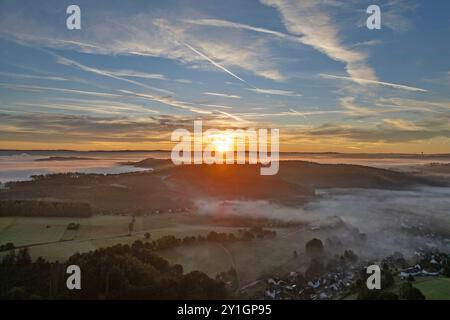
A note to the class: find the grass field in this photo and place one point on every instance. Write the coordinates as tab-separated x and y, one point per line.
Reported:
251	260
48	237
435	288
432	288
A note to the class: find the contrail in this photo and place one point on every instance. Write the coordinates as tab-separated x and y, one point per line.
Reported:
366	81
215	63
232	116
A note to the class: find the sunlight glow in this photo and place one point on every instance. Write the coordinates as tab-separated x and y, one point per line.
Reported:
223	143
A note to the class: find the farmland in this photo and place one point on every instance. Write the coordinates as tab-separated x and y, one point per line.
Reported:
48	238
434	289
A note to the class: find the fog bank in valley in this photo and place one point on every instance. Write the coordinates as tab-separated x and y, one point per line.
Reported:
401	221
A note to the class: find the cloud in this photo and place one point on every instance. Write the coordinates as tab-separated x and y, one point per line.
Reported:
167	100
69	62
401	124
312	25
31	76
94	108
214	63
232	116
146	34
388	130
136	74
412	104
22	87
380	107
393	14
80	129
87	129
373	82
229	24
223	95
185	81
144	75
353	109
312	20
276	92
289	113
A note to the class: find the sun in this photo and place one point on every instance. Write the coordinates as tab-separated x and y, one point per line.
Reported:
223	143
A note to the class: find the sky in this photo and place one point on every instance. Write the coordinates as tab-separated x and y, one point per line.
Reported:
137	70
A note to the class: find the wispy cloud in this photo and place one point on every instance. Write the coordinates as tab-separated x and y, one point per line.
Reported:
136	74
290	113
232	116
223	95
388	130
69	62
402	124
152	36
353	109
320	31
214	63
373	82
415	104
167	100
229	24
276	92
312	20
144	75
31	76
22	87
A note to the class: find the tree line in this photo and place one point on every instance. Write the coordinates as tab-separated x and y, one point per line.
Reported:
117	272
40	208
170	241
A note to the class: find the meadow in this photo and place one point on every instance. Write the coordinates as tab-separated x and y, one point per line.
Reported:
48	238
434	288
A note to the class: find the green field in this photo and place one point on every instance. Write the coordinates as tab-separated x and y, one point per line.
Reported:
48	237
434	289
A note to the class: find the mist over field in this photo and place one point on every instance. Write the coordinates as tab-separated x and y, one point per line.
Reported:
393	220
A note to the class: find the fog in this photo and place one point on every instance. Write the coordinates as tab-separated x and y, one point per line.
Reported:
23	166
403	221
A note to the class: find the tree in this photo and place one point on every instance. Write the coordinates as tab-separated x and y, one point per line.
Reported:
117	272
387	295
314	247
315	269
408	292
366	294
197	285
23	257
130	227
446	271
16	293
350	256
387	278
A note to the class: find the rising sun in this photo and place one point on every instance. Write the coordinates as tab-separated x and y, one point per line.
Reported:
223	143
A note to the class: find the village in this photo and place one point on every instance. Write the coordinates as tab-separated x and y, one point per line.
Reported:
342	282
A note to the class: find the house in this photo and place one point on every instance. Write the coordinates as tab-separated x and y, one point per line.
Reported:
271	293
430	274
323	296
275	283
314	284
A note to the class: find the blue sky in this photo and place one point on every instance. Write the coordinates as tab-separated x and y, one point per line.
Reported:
139	69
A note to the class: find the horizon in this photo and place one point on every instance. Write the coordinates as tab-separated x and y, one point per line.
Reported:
281	152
